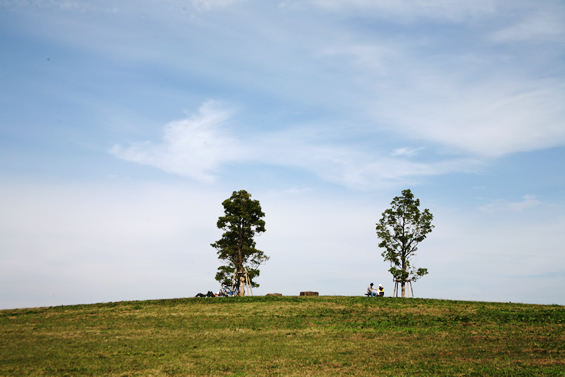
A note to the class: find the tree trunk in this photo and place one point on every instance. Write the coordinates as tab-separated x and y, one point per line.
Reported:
242	285
403	279
240	266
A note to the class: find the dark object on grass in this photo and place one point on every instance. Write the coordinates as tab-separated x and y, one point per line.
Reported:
273	294
309	293
209	294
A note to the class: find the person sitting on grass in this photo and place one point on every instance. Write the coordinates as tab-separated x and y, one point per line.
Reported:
371	292
381	290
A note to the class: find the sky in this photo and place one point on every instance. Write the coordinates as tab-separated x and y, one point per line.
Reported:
125	124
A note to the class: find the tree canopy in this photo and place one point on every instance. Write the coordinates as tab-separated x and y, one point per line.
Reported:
400	230
241	222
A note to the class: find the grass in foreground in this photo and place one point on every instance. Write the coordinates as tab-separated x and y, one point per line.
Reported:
285	336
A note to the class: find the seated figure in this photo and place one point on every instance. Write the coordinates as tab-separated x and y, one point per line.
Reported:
371	292
381	291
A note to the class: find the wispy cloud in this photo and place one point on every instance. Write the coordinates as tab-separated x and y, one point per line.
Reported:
469	100
71	6
198	147
406	151
489	118
374	58
464	102
539	27
213	4
527	202
408	9
195	147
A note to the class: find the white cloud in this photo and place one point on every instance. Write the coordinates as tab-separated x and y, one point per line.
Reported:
199	146
488	118
294	190
364	171
408	9
374	58
207	5
463	100
406	151
540	27
527	202
82	5
195	147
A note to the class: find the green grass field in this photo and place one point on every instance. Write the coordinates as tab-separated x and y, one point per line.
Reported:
285	336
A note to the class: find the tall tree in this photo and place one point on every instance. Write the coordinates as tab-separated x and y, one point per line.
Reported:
400	230
242	220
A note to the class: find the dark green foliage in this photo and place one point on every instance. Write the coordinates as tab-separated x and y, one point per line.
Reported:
241	222
400	230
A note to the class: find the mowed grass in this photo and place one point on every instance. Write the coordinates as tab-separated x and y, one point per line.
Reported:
285	336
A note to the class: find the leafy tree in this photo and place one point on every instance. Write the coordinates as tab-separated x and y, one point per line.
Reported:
242	220
400	230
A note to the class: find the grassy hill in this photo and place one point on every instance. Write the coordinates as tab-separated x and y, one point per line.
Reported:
285	336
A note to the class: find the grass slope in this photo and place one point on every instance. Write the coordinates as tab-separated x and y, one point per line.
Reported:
285	336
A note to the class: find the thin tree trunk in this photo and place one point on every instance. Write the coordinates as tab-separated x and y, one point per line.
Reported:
242	285
403	282
240	264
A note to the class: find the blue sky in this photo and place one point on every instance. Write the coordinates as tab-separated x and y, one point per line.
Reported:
125	124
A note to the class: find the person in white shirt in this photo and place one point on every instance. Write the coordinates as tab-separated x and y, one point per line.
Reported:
371	292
